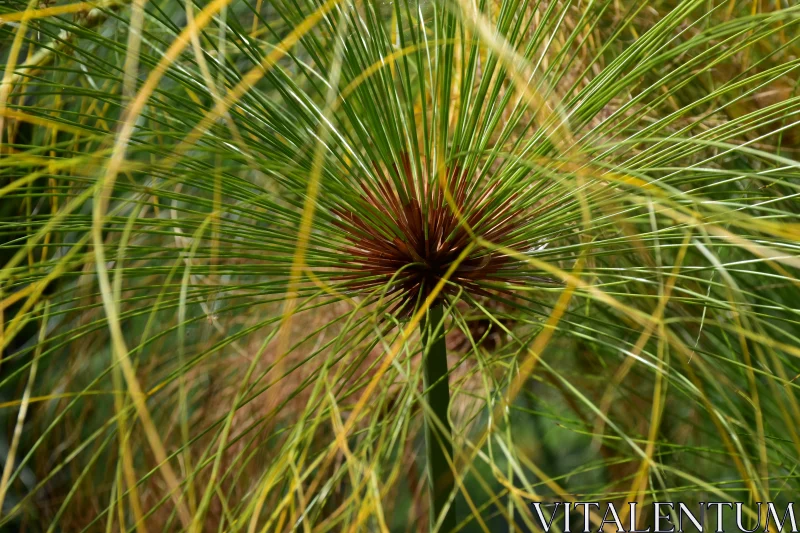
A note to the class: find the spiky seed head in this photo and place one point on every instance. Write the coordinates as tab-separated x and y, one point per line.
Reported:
405	235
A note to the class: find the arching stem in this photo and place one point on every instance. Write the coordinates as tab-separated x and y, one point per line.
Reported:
438	437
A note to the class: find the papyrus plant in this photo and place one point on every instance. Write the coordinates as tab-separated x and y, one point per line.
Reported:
413	239
237	235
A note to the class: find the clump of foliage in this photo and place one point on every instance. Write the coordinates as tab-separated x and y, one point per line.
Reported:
238	235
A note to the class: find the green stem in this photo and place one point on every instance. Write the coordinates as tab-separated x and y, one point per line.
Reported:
438	438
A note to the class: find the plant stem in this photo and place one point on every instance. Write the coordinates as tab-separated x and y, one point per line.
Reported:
438	438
